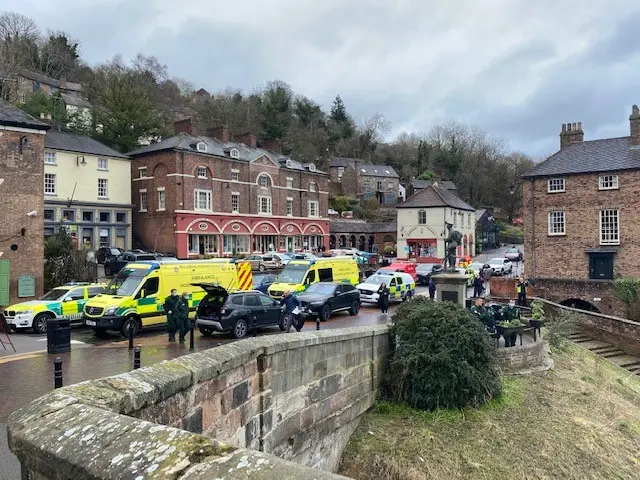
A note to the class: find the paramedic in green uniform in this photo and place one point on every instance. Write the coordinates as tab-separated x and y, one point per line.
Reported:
484	314
182	319
171	309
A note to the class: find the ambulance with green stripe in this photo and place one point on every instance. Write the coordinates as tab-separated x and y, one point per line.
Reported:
66	301
401	287
134	299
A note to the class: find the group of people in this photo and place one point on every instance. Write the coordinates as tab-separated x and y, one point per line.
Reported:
490	316
480	281
177	309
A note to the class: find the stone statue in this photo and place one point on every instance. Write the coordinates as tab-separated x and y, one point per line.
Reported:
451	243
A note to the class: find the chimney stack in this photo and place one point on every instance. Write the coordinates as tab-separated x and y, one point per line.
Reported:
634	120
221	133
186	125
571	133
248	139
273	145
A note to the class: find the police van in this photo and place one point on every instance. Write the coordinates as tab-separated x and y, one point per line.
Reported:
401	286
134	299
299	274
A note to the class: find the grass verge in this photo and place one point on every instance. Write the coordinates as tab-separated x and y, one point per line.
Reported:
579	421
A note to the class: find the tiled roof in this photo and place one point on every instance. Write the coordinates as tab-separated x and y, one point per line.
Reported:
417	183
11	116
75	100
592	156
186	142
343	161
433	196
341	226
69	142
376	170
41	78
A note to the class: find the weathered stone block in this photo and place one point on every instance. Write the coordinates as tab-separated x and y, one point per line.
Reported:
211	412
325	387
193	422
240	394
167	378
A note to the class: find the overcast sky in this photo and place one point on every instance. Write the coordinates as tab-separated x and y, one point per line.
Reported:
517	68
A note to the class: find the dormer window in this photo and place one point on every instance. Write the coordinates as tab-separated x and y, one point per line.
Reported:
289	163
312	167
234	153
201	147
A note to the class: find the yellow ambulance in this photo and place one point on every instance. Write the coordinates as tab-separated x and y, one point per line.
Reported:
299	274
134	299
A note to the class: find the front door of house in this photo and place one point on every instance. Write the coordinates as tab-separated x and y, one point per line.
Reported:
601	266
5	268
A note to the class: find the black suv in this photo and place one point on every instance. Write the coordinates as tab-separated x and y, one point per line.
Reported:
324	298
236	313
103	253
114	264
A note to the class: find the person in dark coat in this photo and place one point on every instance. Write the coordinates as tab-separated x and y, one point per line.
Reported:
478	286
291	302
171	309
521	290
432	288
383	298
182	317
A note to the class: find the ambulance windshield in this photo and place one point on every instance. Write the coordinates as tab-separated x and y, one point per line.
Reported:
125	283
293	273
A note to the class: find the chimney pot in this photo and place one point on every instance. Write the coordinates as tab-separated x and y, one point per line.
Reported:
564	128
634	124
571	133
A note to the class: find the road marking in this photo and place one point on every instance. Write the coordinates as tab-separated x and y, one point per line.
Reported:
21	356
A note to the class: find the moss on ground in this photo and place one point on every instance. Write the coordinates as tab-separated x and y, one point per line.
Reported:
579	421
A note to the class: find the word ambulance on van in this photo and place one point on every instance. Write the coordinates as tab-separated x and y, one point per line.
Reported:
134	299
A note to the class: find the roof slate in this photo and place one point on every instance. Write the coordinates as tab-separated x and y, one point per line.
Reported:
433	196
186	142
343	161
592	156
69	142
11	116
372	170
417	183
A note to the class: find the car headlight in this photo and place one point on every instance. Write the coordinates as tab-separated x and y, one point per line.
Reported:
111	310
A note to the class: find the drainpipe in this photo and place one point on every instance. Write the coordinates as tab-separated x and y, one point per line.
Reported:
533	229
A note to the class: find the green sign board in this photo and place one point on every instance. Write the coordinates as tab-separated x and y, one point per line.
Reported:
26	286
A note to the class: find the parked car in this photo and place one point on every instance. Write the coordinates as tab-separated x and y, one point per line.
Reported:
500	266
264	262
401	287
303	256
324	298
476	267
284	258
104	253
114	264
262	282
404	267
236	313
424	270
514	254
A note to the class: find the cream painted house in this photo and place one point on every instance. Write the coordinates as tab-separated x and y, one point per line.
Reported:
421	225
87	187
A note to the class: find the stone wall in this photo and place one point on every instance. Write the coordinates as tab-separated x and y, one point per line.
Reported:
623	333
262	407
525	359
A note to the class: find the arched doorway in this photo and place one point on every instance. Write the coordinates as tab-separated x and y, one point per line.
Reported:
332	242
371	242
352	241
580	304
343	241
362	243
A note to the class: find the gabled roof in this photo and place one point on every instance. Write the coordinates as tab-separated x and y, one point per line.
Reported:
343	161
75	100
69	142
592	156
433	196
376	170
11	116
186	142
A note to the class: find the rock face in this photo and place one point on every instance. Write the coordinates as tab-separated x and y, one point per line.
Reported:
281	406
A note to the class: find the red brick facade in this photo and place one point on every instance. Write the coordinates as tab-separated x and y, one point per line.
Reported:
21	192
189	230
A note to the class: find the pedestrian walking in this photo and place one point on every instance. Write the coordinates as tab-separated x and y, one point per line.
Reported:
292	310
521	290
432	288
183	324
485	274
383	298
478	287
171	309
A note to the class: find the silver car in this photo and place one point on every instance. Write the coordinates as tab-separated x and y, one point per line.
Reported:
264	262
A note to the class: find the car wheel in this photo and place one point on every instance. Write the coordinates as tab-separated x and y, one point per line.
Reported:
240	329
325	313
107	271
40	322
262	268
207	332
355	308
130	323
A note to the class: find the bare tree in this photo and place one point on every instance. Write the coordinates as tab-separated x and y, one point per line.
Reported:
18	48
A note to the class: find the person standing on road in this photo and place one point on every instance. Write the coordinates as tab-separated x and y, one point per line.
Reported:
521	290
383	298
485	274
182	317
292	309
478	287
432	288
171	309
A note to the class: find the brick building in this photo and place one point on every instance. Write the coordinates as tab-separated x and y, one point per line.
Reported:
581	214
363	235
198	195
364	180
21	193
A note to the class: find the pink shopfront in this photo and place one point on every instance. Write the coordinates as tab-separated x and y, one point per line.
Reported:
224	236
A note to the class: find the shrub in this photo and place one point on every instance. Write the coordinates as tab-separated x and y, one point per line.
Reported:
442	358
64	262
559	329
389	250
626	289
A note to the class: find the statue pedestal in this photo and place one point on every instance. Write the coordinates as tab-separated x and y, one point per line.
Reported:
451	287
